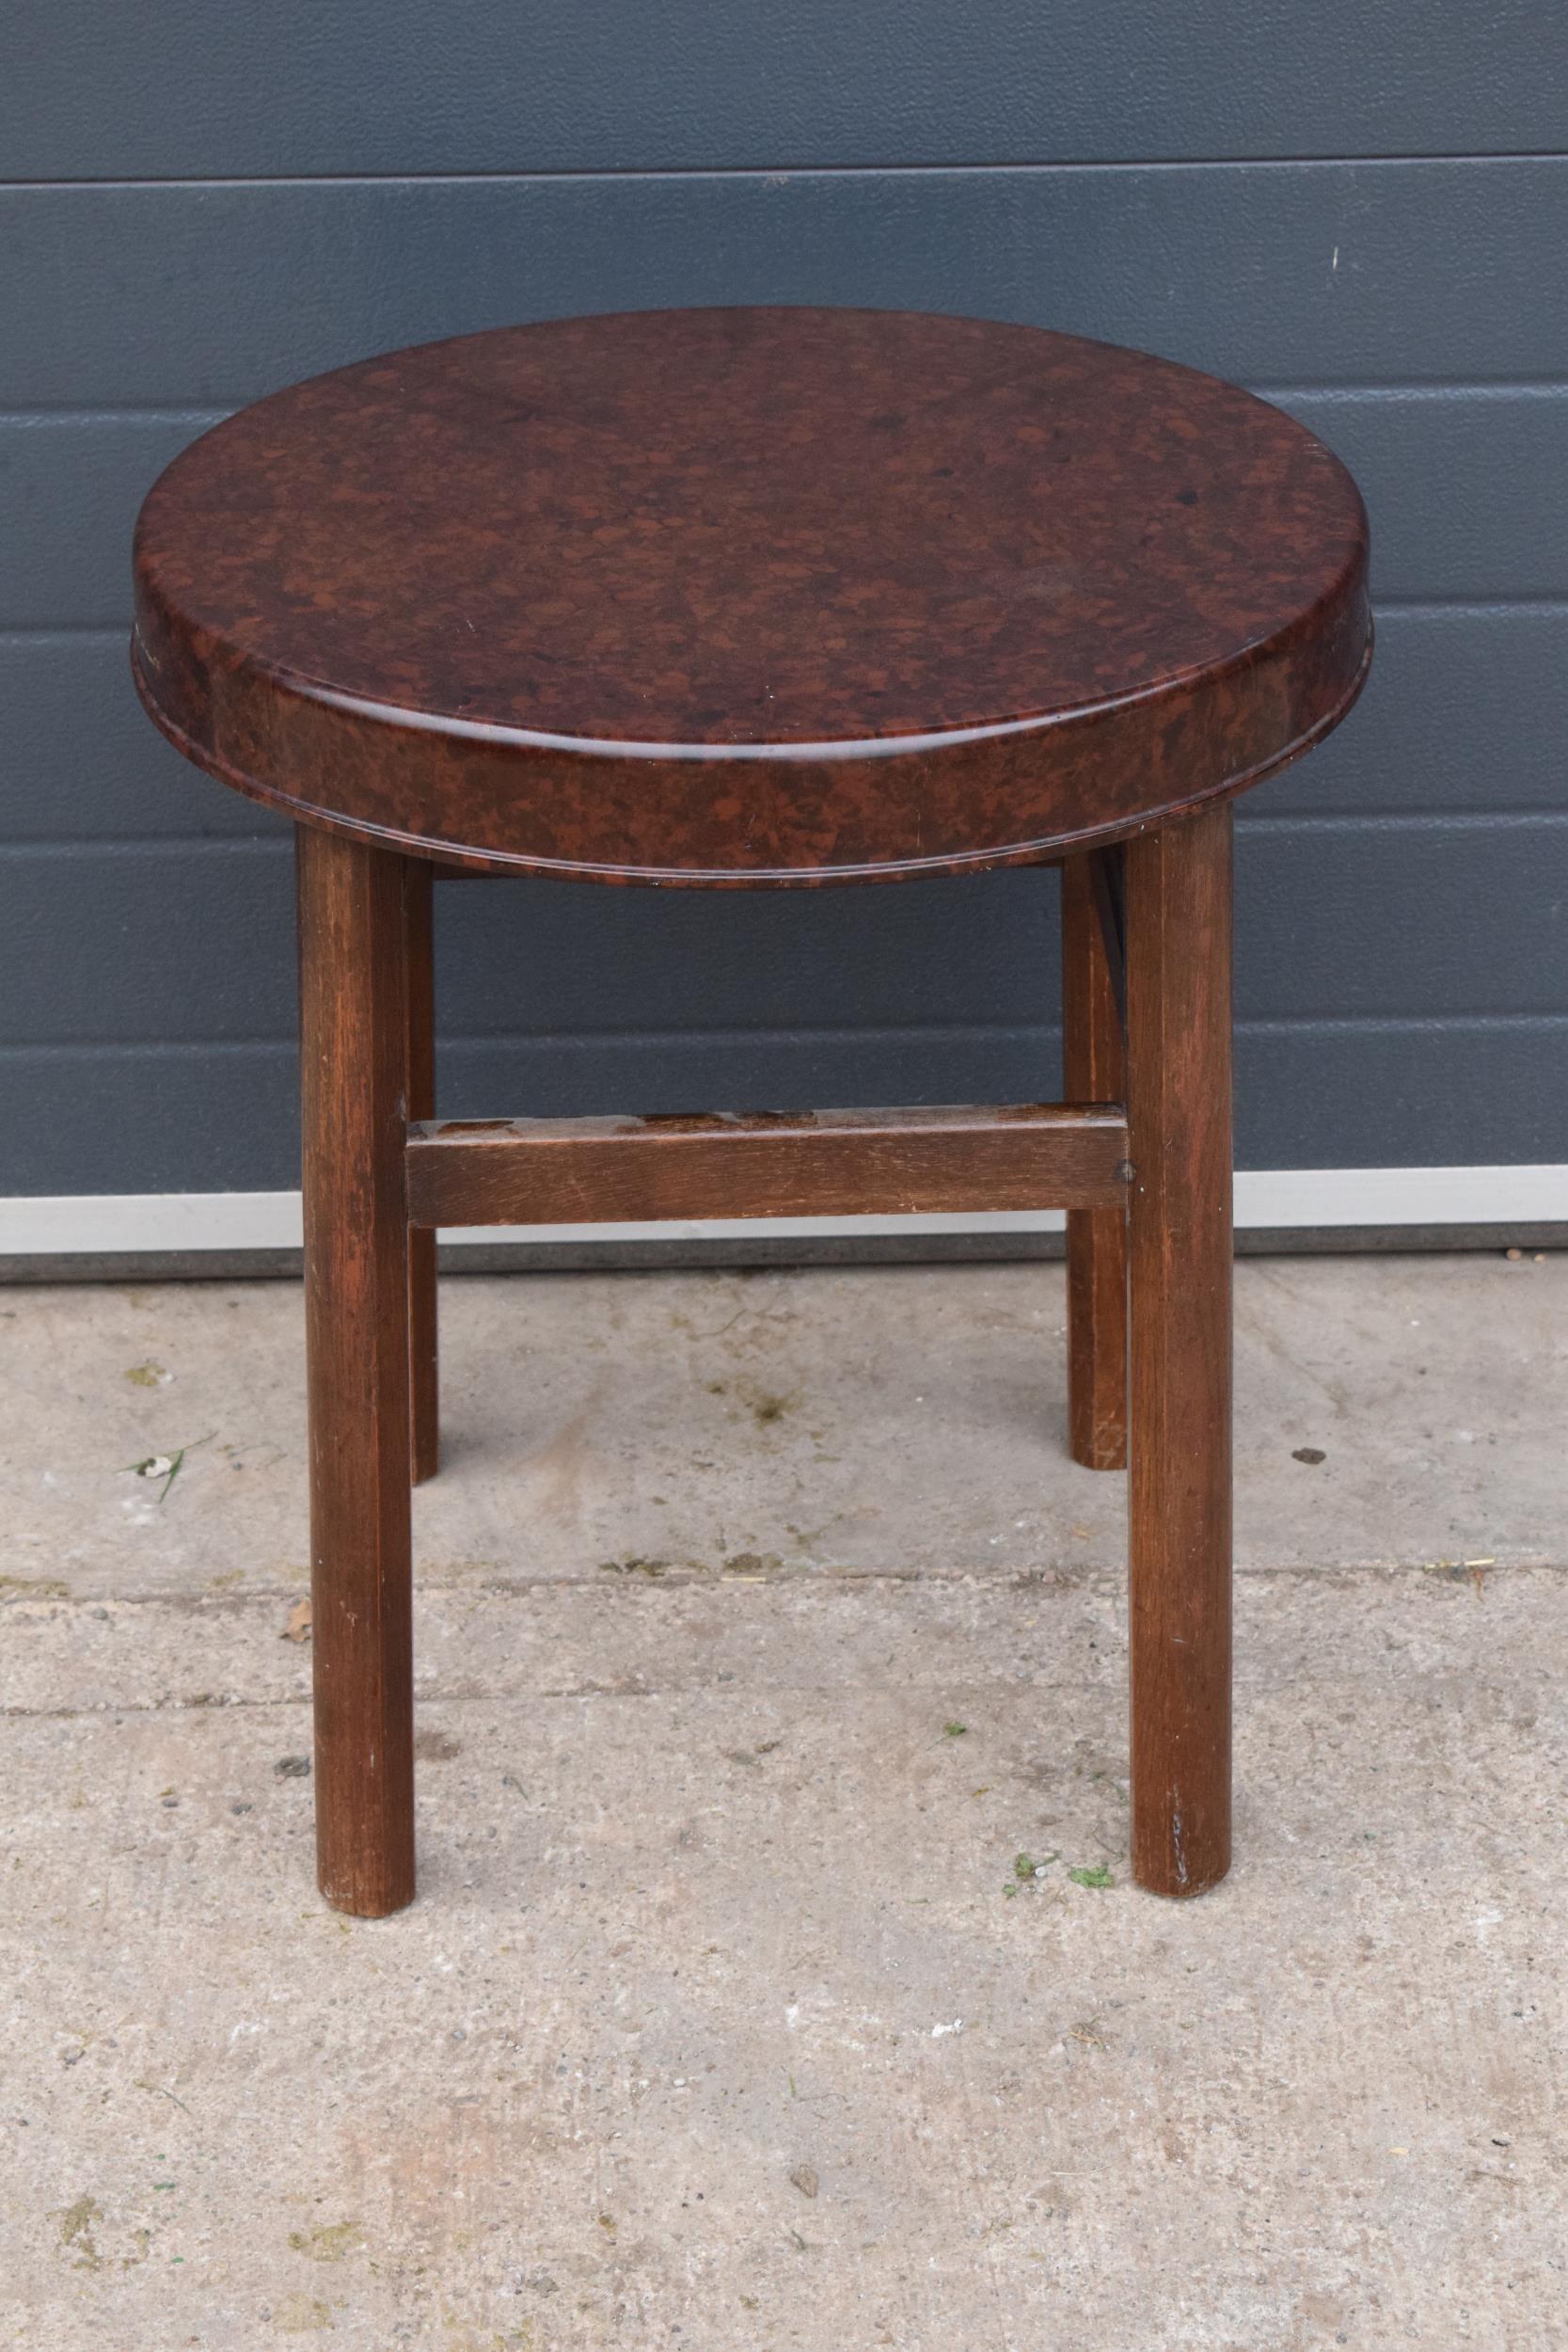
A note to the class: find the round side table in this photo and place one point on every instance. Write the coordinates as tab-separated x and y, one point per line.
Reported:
757	599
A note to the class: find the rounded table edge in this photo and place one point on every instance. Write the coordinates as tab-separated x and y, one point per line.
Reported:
476	859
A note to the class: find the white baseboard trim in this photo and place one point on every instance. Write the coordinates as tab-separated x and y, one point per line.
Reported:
1270	1200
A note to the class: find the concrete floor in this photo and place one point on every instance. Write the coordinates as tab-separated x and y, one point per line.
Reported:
763	1625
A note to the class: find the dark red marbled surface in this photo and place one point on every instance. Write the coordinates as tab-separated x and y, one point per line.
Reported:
751	595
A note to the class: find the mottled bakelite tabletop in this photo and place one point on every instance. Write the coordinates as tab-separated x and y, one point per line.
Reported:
751	595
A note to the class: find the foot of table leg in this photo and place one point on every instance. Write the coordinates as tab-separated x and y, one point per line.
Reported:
353	999
1093	1070
1179	922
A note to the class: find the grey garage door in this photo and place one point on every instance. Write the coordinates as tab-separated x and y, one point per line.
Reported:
1361	209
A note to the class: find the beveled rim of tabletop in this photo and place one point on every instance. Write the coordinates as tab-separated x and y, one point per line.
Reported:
1115	588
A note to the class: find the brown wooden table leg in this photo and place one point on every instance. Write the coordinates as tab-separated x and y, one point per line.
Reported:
353	1044
1179	1112
424	1385
1093	1070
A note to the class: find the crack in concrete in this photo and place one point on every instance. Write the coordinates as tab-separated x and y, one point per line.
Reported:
711	1583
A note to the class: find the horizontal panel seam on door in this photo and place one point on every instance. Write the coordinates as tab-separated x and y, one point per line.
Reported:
1478	157
1394	608
1524	387
593	1040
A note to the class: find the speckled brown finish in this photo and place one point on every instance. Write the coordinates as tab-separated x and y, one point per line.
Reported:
751	595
